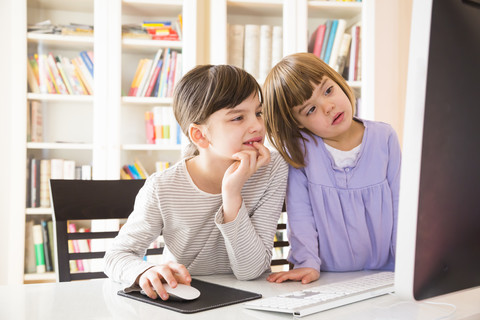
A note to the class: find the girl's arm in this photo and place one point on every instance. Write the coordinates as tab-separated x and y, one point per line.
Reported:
249	237
393	177
124	260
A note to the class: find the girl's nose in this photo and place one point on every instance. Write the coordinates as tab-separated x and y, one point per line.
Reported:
257	125
327	108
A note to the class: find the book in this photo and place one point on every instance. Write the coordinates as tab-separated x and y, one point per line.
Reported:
150	74
331	39
127	170
337	42
142	168
84	74
69	169
149	127
86	172
32	80
277	45
46	246
56	168
164	74
36	121
153	80
34	183
72	228
134	171
57	78
343	53
124	175
353	53
84	246
265	59
171	74
235	41
319	37
328	27
134	84
251	51
88	63
39	251
44	184
52	244
64	76
146	69
30	265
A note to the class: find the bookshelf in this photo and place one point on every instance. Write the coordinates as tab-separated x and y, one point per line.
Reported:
105	129
298	20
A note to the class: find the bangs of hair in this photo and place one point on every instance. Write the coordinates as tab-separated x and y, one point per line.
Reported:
228	87
298	80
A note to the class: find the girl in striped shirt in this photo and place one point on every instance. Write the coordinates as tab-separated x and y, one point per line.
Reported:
218	208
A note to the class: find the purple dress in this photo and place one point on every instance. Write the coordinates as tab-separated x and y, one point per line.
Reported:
346	219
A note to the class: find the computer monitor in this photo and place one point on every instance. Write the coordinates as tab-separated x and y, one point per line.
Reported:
438	242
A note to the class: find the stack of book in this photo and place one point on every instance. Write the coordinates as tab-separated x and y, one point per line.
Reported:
47	73
47	27
157	77
133	171
154	30
338	48
255	48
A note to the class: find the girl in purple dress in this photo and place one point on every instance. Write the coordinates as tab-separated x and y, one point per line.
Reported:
342	194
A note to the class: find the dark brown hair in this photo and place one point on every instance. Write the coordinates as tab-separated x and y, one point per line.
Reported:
208	88
290	83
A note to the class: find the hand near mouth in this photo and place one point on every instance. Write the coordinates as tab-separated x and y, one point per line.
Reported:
248	162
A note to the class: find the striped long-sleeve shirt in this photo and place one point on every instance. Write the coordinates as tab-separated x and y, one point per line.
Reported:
191	222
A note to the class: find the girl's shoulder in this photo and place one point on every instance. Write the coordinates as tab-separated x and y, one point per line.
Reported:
277	162
378	127
171	174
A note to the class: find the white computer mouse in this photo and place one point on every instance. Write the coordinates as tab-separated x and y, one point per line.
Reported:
182	292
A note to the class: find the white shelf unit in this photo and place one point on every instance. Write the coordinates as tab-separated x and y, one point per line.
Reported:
130	140
97	129
299	18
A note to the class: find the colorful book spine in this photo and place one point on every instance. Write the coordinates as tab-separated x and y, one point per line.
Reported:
39	251
87	61
331	39
46	246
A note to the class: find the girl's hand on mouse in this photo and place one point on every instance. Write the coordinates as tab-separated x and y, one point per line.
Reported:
248	162
171	272
305	275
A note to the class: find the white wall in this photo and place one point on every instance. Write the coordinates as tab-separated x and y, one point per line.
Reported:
12	219
392	32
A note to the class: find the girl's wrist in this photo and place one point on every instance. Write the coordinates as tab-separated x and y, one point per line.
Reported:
231	206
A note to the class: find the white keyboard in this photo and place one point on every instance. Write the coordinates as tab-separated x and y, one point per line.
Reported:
316	299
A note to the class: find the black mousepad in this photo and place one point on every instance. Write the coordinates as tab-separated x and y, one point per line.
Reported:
211	296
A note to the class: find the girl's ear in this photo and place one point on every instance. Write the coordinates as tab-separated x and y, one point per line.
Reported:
197	136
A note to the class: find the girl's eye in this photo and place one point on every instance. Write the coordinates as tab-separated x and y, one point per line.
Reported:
259	114
310	111
238	118
329	90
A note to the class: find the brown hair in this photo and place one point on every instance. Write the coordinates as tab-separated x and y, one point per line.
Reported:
208	88
290	83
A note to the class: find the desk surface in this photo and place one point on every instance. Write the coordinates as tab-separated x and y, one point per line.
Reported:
98	299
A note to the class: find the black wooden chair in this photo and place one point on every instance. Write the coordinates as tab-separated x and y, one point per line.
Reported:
88	200
281	243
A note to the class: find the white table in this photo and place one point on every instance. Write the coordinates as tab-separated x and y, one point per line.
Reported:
98	299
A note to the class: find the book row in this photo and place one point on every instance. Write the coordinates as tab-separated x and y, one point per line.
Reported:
39	247
39	173
157	77
47	73
47	27
161	127
338	47
137	171
255	48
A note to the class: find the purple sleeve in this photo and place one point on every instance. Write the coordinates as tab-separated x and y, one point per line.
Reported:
393	177
302	233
